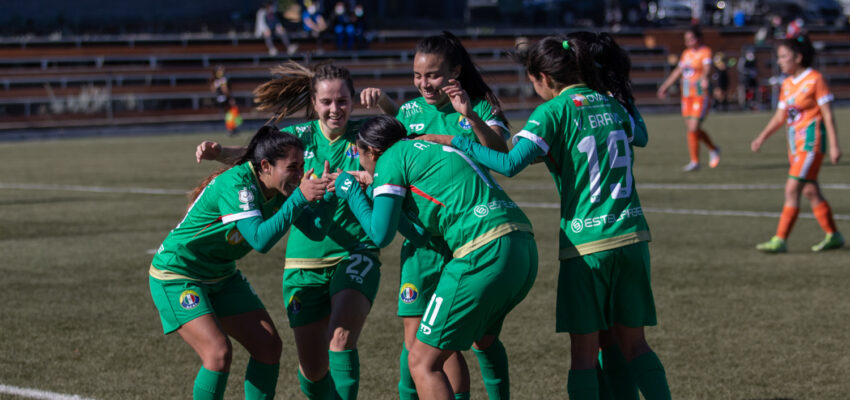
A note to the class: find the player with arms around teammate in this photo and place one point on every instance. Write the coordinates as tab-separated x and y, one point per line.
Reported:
494	257
694	68
328	284
586	140
455	100
805	105
194	281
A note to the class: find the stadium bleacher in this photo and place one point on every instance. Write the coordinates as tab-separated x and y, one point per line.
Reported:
131	79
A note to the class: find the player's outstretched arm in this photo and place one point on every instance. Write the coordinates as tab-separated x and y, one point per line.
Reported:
380	221
507	164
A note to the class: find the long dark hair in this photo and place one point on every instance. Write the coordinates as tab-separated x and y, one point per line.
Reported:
612	63
567	60
803	46
294	88
453	52
269	143
380	133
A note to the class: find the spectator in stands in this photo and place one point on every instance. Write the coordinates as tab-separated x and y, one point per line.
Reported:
361	41
748	78
343	28
225	100
268	24
314	23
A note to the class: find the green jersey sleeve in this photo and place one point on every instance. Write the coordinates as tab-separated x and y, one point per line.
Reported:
485	112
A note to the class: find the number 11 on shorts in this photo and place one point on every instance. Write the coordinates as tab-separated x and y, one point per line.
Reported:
429	317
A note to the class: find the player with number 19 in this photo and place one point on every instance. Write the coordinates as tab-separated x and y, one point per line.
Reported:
586	139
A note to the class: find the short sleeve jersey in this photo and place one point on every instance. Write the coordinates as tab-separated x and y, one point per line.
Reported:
206	243
695	64
801	98
449	193
586	138
346	234
420	117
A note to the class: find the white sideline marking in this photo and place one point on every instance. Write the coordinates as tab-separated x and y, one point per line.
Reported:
38	394
685	211
95	189
697	186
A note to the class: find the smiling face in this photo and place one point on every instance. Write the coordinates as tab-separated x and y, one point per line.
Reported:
284	175
788	62
691	40
430	74
332	102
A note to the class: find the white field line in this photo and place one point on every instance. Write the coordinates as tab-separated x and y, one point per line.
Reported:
38	394
662	186
696	186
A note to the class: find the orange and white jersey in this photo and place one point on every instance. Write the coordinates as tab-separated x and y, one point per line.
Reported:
696	65
801	97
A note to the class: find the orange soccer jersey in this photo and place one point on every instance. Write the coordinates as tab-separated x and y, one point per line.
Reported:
801	97
696	65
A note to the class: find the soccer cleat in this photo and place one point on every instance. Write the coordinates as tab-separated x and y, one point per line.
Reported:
776	244
691	166
831	241
714	157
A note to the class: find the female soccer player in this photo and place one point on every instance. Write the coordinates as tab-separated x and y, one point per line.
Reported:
694	68
455	100
586	140
194	281
805	105
494	257
329	284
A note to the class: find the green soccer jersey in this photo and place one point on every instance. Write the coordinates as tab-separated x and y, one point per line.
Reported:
346	234
587	141
420	117
451	195
206	243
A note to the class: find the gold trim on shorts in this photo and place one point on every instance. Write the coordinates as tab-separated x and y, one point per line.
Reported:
604	244
166	275
316	263
489	236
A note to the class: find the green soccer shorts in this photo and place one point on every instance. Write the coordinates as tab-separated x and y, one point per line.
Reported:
477	291
307	292
600	289
180	301
420	272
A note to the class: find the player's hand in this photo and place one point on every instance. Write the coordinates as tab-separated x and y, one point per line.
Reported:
207	150
834	154
364	178
756	144
344	184
662	93
312	189
445	140
369	97
458	97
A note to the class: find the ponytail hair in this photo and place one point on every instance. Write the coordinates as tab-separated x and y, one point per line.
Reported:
380	133
803	46
454	54
612	63
294	88
567	60
269	143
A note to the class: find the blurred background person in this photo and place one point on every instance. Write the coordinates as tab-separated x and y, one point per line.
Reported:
720	82
343	27
268	24
314	23
223	98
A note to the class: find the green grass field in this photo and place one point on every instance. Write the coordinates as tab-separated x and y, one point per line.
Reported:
77	317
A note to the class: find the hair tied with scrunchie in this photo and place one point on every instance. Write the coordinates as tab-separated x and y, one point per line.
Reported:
566	44
800	38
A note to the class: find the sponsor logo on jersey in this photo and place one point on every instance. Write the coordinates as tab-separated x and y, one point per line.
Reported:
481	211
463	123
309	154
351	151
304	129
410	109
579	100
578	224
794	114
294	305
234	237
246	197
189	299
416	127
408	293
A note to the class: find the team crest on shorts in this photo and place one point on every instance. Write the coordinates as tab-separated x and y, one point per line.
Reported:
463	123
294	305
408	293
189	299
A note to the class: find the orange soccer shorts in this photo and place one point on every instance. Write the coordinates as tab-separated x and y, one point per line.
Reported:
805	165
695	106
